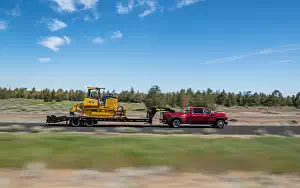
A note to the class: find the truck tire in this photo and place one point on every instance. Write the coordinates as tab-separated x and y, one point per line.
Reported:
220	124
175	123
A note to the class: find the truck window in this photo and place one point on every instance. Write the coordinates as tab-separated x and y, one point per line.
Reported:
205	111
198	110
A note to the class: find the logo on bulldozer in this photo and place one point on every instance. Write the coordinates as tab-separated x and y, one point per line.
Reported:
91	102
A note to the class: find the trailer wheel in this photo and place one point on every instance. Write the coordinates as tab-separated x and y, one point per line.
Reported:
89	122
75	122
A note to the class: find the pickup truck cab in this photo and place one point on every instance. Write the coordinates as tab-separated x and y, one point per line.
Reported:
195	115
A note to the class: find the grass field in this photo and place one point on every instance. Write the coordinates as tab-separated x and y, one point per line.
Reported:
267	154
32	105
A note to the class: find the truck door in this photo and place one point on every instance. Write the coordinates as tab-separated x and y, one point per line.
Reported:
208	118
197	116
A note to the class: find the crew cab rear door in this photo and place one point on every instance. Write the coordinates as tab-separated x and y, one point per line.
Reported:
197	116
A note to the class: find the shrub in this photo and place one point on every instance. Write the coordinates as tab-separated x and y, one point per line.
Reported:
208	131
293	122
37	129
261	131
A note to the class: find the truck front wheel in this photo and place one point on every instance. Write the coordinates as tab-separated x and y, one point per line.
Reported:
220	124
175	123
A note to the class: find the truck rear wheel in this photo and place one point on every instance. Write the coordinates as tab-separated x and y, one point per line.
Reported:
175	123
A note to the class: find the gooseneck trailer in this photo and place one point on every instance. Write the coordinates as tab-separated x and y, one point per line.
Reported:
83	120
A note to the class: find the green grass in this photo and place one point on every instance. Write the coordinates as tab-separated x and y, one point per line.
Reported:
268	154
32	105
127	129
13	128
166	131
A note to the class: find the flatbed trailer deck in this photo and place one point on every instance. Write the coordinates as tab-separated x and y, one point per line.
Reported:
57	119
90	121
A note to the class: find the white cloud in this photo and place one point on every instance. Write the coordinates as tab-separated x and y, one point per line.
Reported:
44	60
98	40
152	8
64	5
95	16
121	9
68	40
88	4
73	5
183	3
3	25
55	25
86	18
117	35
150	5
281	62
14	12
54	43
146	13
130	4
267	51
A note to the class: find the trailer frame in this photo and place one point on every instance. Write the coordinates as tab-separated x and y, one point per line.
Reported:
74	120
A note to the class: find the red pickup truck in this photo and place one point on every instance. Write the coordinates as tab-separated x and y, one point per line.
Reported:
195	115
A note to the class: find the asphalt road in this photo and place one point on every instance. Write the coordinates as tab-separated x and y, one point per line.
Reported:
162	129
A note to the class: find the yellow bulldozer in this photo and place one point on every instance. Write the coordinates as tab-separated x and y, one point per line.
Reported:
99	104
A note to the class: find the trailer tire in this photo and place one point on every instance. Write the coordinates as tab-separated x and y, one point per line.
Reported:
75	122
89	122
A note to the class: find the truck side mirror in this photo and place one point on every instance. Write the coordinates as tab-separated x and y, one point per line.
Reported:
212	114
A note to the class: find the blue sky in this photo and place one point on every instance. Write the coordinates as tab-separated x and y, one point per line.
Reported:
236	45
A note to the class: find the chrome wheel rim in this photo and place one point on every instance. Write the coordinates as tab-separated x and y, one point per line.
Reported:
220	124
176	123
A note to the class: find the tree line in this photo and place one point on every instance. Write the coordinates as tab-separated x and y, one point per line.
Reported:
155	97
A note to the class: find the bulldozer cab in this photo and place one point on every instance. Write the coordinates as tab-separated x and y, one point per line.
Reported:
93	98
96	97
